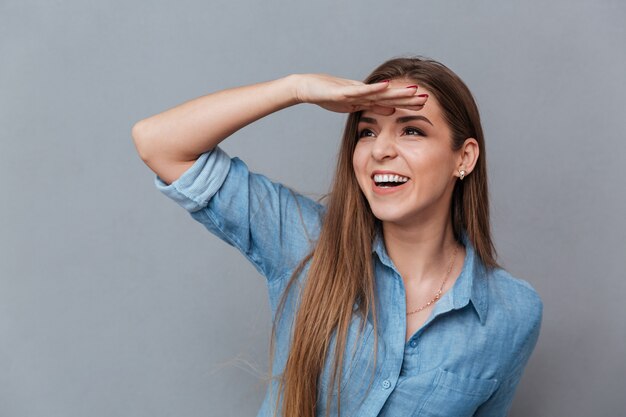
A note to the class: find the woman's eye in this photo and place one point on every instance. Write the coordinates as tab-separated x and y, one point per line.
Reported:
365	132
413	131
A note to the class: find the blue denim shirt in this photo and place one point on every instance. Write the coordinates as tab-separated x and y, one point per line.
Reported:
466	359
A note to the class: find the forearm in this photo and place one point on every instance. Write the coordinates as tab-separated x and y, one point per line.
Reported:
184	132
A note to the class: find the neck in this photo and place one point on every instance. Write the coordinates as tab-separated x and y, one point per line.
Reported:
422	252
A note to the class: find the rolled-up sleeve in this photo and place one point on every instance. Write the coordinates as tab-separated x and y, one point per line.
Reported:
194	188
273	226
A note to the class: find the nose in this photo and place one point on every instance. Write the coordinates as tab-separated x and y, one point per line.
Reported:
384	147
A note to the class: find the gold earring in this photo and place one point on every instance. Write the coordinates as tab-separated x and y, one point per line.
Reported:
462	173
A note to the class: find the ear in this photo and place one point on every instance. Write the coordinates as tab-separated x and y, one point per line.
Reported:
467	156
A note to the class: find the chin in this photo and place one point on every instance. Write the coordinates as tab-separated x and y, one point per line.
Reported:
389	214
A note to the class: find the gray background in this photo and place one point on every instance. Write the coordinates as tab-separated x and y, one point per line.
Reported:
114	302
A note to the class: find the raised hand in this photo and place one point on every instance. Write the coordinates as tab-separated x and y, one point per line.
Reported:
346	96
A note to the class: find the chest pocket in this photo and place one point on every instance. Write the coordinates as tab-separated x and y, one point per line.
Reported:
455	395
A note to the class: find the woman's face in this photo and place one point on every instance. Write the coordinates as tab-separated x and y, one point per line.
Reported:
411	148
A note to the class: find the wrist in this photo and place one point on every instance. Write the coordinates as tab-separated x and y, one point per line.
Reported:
293	82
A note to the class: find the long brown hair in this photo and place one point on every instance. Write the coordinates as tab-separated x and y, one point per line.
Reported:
341	270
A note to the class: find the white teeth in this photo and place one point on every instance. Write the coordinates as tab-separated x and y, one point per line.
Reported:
389	178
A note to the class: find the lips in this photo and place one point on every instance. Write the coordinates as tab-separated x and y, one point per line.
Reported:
385	181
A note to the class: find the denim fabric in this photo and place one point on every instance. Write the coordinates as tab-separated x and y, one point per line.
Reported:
466	359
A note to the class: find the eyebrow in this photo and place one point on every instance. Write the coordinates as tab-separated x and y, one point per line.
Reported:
399	120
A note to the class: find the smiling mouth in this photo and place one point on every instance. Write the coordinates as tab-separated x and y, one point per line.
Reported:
389	181
389	184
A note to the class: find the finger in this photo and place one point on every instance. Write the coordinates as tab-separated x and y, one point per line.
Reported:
401	106
403	101
364	89
391	93
385	110
411	107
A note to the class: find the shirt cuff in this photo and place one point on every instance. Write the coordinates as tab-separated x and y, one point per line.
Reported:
195	187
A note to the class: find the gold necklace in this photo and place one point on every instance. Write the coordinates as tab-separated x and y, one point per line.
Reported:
438	295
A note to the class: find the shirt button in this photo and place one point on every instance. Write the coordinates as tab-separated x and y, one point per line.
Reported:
386	384
413	343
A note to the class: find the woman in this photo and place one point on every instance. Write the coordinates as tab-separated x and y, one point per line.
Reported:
387	300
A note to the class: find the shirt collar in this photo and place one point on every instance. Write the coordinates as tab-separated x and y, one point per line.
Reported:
471	284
